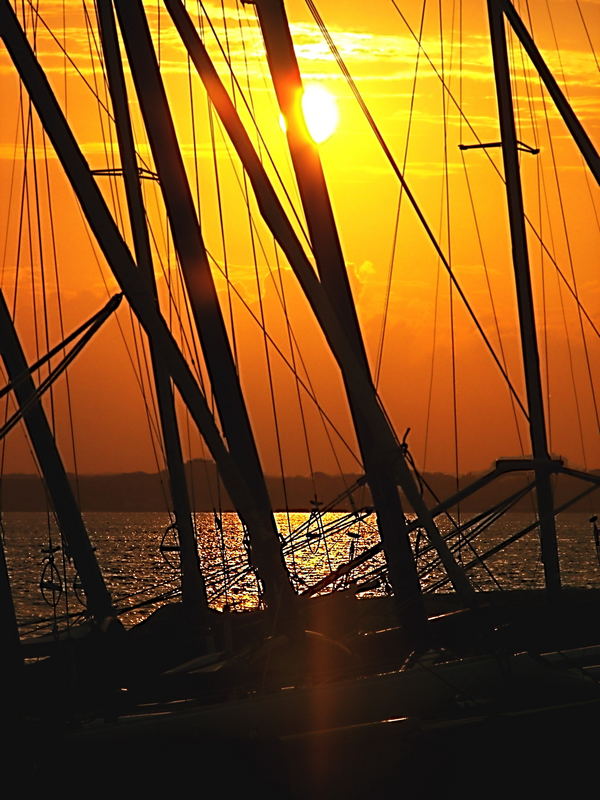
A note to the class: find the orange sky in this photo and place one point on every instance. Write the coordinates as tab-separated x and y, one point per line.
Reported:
110	424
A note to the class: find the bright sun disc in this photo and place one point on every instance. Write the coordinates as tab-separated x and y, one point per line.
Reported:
320	113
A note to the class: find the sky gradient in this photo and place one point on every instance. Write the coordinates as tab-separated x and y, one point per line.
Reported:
434	373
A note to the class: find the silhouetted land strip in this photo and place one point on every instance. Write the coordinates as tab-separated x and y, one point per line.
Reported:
143	491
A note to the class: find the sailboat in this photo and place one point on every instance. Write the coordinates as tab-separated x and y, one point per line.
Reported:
455	670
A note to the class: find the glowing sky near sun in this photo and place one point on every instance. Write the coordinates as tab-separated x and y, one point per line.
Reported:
430	364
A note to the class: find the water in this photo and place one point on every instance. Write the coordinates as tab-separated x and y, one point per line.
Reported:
136	571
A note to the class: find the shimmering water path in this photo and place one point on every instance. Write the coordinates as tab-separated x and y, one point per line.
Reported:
135	570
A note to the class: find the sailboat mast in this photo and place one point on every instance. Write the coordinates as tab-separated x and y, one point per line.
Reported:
67	511
193	589
529	346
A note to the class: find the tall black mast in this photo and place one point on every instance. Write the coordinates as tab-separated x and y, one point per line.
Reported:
529	346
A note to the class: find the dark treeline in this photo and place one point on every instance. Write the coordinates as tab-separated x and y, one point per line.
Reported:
142	491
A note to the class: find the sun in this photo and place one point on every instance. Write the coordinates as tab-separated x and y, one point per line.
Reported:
320	112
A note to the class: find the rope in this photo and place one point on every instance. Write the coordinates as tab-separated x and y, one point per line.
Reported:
587	33
566	232
496	169
380	346
411	197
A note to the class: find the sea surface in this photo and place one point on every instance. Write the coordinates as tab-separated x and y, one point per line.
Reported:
140	575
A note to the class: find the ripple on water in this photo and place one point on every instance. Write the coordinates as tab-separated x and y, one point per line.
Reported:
127	548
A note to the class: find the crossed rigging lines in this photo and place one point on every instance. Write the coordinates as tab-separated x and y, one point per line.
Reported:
405	188
391	159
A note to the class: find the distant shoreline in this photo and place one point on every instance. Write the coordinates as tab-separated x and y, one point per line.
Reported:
142	491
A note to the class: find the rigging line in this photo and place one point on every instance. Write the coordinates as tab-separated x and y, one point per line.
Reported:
481	522
99	317
140	348
60	311
64	31
258	131
26	213
189	348
24	138
490	293
192	485
166	273
295	348
293	361
26	135
565	227
261	304
4	262
267	82
570	258
433	352
542	183
564	319
449	250
411	197
381	344
269	370
587	33
275	285
109	152
312	393
76	68
123	337
53	373
566	91
118	214
462	538
274	344
194	135
258	287
11	188
431	373
222	229
497	170
514	90
515	537
192	339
